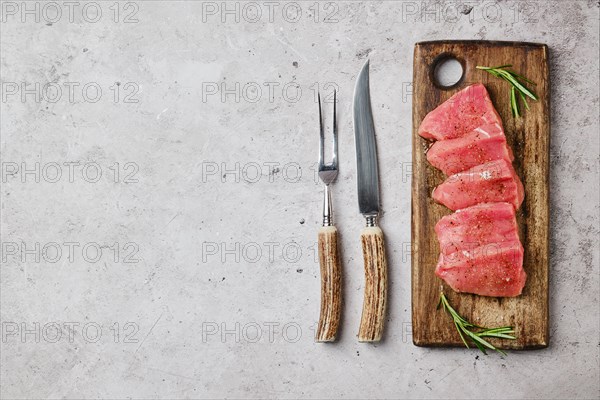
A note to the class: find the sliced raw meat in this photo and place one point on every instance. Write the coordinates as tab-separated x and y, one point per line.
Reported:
490	270
495	181
484	144
460	114
476	226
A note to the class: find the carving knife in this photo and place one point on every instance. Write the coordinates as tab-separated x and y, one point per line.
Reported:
374	303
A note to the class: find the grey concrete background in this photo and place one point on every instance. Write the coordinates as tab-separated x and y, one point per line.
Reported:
192	272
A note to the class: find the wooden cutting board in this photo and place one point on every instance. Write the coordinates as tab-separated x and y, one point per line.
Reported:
529	138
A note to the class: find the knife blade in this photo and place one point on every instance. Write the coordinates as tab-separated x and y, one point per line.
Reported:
366	149
375	292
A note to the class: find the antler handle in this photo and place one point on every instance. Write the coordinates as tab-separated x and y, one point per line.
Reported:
331	284
373	313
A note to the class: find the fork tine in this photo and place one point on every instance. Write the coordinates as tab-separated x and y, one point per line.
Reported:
335	131
322	135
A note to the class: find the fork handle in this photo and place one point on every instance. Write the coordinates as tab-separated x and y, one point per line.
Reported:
331	284
373	312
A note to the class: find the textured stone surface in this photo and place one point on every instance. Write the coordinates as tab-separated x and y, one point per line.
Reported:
201	233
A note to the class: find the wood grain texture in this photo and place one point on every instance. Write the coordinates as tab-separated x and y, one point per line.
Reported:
331	285
529	138
373	313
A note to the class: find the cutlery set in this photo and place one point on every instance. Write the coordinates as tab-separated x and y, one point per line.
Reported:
375	264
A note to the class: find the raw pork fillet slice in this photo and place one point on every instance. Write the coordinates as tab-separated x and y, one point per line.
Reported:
490	270
476	226
484	144
495	181
460	114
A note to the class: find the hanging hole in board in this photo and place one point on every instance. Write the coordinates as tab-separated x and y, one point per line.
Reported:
447	72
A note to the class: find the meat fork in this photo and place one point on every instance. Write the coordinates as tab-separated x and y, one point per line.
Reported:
330	263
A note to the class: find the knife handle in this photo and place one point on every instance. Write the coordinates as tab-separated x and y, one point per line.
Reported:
373	313
331	284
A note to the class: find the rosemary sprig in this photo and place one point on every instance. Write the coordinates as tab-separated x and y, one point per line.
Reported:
465	330
517	86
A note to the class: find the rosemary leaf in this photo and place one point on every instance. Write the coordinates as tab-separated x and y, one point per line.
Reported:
504	329
497	335
493	68
474	332
521	77
517	84
481	348
524	101
506	75
461	334
514	106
